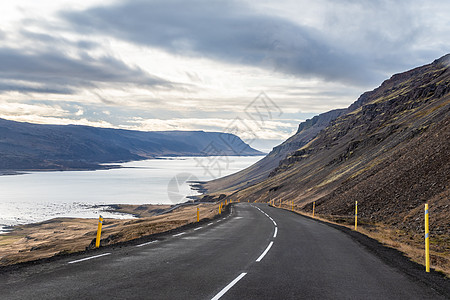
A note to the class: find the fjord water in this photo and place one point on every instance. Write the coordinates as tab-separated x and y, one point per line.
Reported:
40	196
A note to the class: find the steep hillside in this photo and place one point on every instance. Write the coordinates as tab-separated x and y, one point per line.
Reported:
25	146
390	152
260	170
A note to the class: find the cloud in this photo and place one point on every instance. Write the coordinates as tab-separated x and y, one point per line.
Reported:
25	87
35	119
19	110
53	72
52	41
226	31
355	42
44	63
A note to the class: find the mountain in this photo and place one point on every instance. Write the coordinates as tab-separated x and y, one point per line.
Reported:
389	151
25	146
260	170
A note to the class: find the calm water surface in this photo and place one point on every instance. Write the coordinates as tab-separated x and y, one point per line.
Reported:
40	196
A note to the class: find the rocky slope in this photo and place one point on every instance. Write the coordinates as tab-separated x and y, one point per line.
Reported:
390	152
260	170
25	146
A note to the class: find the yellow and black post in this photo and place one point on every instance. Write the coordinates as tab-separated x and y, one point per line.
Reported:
427	241
314	206
198	214
99	232
356	215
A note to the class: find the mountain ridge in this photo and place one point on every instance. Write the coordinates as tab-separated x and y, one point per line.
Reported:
389	151
27	146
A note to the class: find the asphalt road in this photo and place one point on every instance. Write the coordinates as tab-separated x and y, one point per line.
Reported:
257	252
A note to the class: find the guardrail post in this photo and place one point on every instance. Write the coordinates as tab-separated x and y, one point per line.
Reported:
198	214
99	232
356	215
427	241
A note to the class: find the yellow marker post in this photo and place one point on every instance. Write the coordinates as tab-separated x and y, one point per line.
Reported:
292	205
356	215
427	241
314	206
198	214
99	232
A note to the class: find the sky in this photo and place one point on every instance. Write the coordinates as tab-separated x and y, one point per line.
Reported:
254	68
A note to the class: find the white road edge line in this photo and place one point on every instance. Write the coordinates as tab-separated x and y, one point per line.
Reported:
144	244
275	233
178	234
88	258
229	286
274	223
198	228
210	223
265	252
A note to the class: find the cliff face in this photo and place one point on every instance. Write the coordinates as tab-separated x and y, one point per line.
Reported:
390	152
25	146
260	170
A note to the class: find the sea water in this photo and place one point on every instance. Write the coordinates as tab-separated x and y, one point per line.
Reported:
39	196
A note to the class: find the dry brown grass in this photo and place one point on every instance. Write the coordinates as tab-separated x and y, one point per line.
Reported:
411	245
67	235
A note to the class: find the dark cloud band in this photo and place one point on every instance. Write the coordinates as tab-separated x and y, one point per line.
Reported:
58	73
226	31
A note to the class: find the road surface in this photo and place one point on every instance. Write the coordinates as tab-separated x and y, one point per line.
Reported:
256	252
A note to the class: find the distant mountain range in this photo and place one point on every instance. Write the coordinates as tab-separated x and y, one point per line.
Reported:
25	146
390	151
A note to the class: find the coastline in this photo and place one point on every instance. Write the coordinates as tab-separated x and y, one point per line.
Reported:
61	236
106	165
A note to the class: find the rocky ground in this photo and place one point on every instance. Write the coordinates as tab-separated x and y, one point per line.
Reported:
390	152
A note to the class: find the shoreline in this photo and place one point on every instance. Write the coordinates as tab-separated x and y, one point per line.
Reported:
106	165
60	236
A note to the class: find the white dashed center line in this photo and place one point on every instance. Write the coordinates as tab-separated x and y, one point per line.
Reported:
229	286
148	243
88	258
179	234
265	252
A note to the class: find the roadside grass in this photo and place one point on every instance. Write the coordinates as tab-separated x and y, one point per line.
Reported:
62	236
412	245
